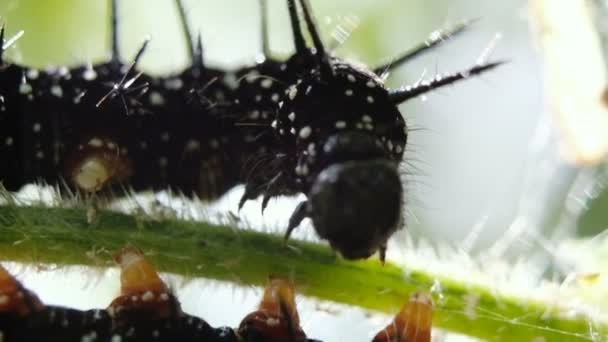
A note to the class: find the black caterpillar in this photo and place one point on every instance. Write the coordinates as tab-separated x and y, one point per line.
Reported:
147	311
312	124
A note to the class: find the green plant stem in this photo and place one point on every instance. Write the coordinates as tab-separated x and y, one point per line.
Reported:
195	249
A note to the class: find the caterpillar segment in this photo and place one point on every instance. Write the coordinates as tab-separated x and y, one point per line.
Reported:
147	310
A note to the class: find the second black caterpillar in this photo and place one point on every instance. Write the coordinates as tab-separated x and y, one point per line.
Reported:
312	124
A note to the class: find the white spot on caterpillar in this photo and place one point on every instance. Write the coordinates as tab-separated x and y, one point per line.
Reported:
292	131
111	145
25	88
366	118
64	72
258	98
36	127
155	333
116	338
164	297
371	84
351	78
340	124
272	322
89	74
33	74
252	76
147	296
165	136
230	80
56	90
305	132
266	83
9	141
192	145
370	99
292	116
96	142
389	144
311	149
91	175
39	155
4	299
349	92
274	124
275	97
398	149
78	97
292	92
92	337
156	99
174	84
97	315
254	115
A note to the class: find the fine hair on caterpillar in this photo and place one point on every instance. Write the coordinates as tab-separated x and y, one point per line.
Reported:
312	123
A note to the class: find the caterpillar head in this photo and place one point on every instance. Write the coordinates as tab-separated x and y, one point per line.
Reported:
356	206
349	138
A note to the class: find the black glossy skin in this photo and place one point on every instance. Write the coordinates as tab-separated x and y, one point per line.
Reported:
125	323
172	129
58	324
356	206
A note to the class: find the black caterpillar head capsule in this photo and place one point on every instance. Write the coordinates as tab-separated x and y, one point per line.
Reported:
356	206
355	201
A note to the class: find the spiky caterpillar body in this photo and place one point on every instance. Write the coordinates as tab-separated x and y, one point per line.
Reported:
147	311
156	134
311	124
